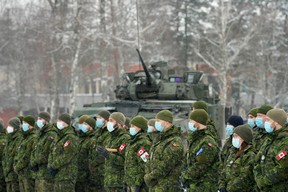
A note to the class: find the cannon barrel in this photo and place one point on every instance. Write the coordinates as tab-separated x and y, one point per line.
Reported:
148	76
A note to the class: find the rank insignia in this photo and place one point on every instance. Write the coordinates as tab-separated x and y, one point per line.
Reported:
66	144
281	155
122	147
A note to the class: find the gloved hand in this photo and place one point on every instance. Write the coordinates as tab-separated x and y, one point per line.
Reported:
149	181
125	187
222	190
52	171
103	151
34	168
138	188
185	184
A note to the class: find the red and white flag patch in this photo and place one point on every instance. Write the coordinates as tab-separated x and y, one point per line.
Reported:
143	154
140	152
122	147
66	144
281	155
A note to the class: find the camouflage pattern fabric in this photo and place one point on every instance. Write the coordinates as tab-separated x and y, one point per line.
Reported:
12	186
45	139
2	146
227	149
22	161
63	158
212	128
96	161
271	162
135	159
237	175
44	185
163	167
259	135
83	166
202	163
114	165
12	143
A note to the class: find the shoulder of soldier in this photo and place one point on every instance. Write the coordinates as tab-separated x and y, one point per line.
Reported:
283	134
174	143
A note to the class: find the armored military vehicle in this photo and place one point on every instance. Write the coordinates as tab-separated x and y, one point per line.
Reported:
148	91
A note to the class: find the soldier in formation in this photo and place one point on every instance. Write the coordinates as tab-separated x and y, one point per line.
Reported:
104	154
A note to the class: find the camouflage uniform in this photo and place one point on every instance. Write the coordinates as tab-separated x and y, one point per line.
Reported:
96	161
63	160
114	164
165	161
22	160
46	137
226	150
2	146
237	174
202	162
10	150
259	135
271	162
83	167
135	161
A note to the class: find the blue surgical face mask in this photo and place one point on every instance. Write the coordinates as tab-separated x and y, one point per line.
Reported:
236	142
84	128
60	125
251	122
110	126
159	126
259	122
229	129
268	127
99	123
25	127
150	129
192	127
132	131
40	123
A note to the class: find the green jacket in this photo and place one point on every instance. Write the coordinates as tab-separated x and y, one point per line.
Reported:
212	128
83	151
202	162
64	155
22	158
271	162
2	146
135	159
163	167
114	165
259	135
237	175
10	150
96	161
46	137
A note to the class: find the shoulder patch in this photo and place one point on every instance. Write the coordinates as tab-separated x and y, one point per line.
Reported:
122	147
281	155
66	144
200	151
143	154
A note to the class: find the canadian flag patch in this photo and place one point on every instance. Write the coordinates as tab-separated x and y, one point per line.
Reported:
143	154
66	144
281	155
122	147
